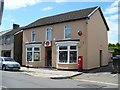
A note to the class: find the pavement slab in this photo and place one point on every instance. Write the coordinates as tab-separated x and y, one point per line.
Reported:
50	73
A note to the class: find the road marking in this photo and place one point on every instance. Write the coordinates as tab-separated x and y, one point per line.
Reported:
98	82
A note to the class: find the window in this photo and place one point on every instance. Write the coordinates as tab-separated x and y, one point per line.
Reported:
67	32
1	60
33	53
7	40
67	54
33	36
36	54
63	56
0	40
73	54
3	41
29	54
49	34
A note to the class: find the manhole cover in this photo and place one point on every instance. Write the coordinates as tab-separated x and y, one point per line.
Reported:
91	86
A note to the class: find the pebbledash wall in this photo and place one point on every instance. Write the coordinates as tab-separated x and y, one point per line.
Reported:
65	46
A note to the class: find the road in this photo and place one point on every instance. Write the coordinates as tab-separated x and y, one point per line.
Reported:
11	79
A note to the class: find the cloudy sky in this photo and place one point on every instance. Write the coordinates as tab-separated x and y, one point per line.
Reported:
24	12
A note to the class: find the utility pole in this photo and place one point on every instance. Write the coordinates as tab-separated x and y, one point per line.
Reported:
1	9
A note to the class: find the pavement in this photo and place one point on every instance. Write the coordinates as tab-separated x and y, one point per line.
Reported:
50	73
102	75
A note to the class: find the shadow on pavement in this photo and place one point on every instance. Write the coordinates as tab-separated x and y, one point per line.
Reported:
107	68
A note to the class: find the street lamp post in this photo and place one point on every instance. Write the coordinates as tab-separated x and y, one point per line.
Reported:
1	9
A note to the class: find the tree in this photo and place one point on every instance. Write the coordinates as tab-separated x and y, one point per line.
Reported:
115	47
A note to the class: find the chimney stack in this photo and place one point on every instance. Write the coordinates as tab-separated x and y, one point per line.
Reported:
15	26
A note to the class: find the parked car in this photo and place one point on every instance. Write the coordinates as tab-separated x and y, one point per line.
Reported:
7	63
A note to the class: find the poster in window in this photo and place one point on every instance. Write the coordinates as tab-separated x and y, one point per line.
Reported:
29	56
36	56
73	56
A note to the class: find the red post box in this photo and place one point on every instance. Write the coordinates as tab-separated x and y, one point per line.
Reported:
80	63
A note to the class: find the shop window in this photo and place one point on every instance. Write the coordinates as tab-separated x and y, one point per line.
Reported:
63	56
67	54
33	36
73	57
36	54
49	34
33	53
29	54
67	32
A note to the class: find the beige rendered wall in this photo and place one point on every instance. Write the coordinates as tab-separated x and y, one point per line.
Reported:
58	34
40	38
96	40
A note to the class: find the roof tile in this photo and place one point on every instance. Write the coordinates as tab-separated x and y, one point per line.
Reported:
69	16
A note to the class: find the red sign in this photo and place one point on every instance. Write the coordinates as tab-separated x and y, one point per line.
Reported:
47	43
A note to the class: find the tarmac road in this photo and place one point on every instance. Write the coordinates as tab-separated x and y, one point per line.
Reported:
11	79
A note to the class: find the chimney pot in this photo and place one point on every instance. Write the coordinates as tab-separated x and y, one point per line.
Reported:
15	26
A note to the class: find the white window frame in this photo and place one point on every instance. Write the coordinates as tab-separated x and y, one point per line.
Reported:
47	33
62	50
68	44
32	36
67	29
33	46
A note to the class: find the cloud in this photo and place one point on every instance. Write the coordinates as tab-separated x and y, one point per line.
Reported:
111	15
47	8
59	1
15	4
113	33
113	8
8	19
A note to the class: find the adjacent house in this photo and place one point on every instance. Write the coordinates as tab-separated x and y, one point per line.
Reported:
59	40
1	40
11	43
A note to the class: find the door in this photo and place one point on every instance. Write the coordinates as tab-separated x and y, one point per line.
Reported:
48	56
100	58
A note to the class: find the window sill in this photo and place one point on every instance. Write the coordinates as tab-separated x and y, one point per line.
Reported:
65	63
33	61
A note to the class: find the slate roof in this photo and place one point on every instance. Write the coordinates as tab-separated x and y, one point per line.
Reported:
65	17
12	32
3	32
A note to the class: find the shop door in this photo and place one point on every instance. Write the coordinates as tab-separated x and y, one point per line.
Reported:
48	57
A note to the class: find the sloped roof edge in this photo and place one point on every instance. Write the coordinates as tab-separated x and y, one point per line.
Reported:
98	8
64	17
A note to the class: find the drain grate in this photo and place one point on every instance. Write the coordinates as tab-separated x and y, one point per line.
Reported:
91	86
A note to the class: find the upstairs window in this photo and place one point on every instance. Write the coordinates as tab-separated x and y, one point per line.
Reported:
49	34
0	40
3	41
33	36
67	32
7	40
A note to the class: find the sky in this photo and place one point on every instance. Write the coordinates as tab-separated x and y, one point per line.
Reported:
24	12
